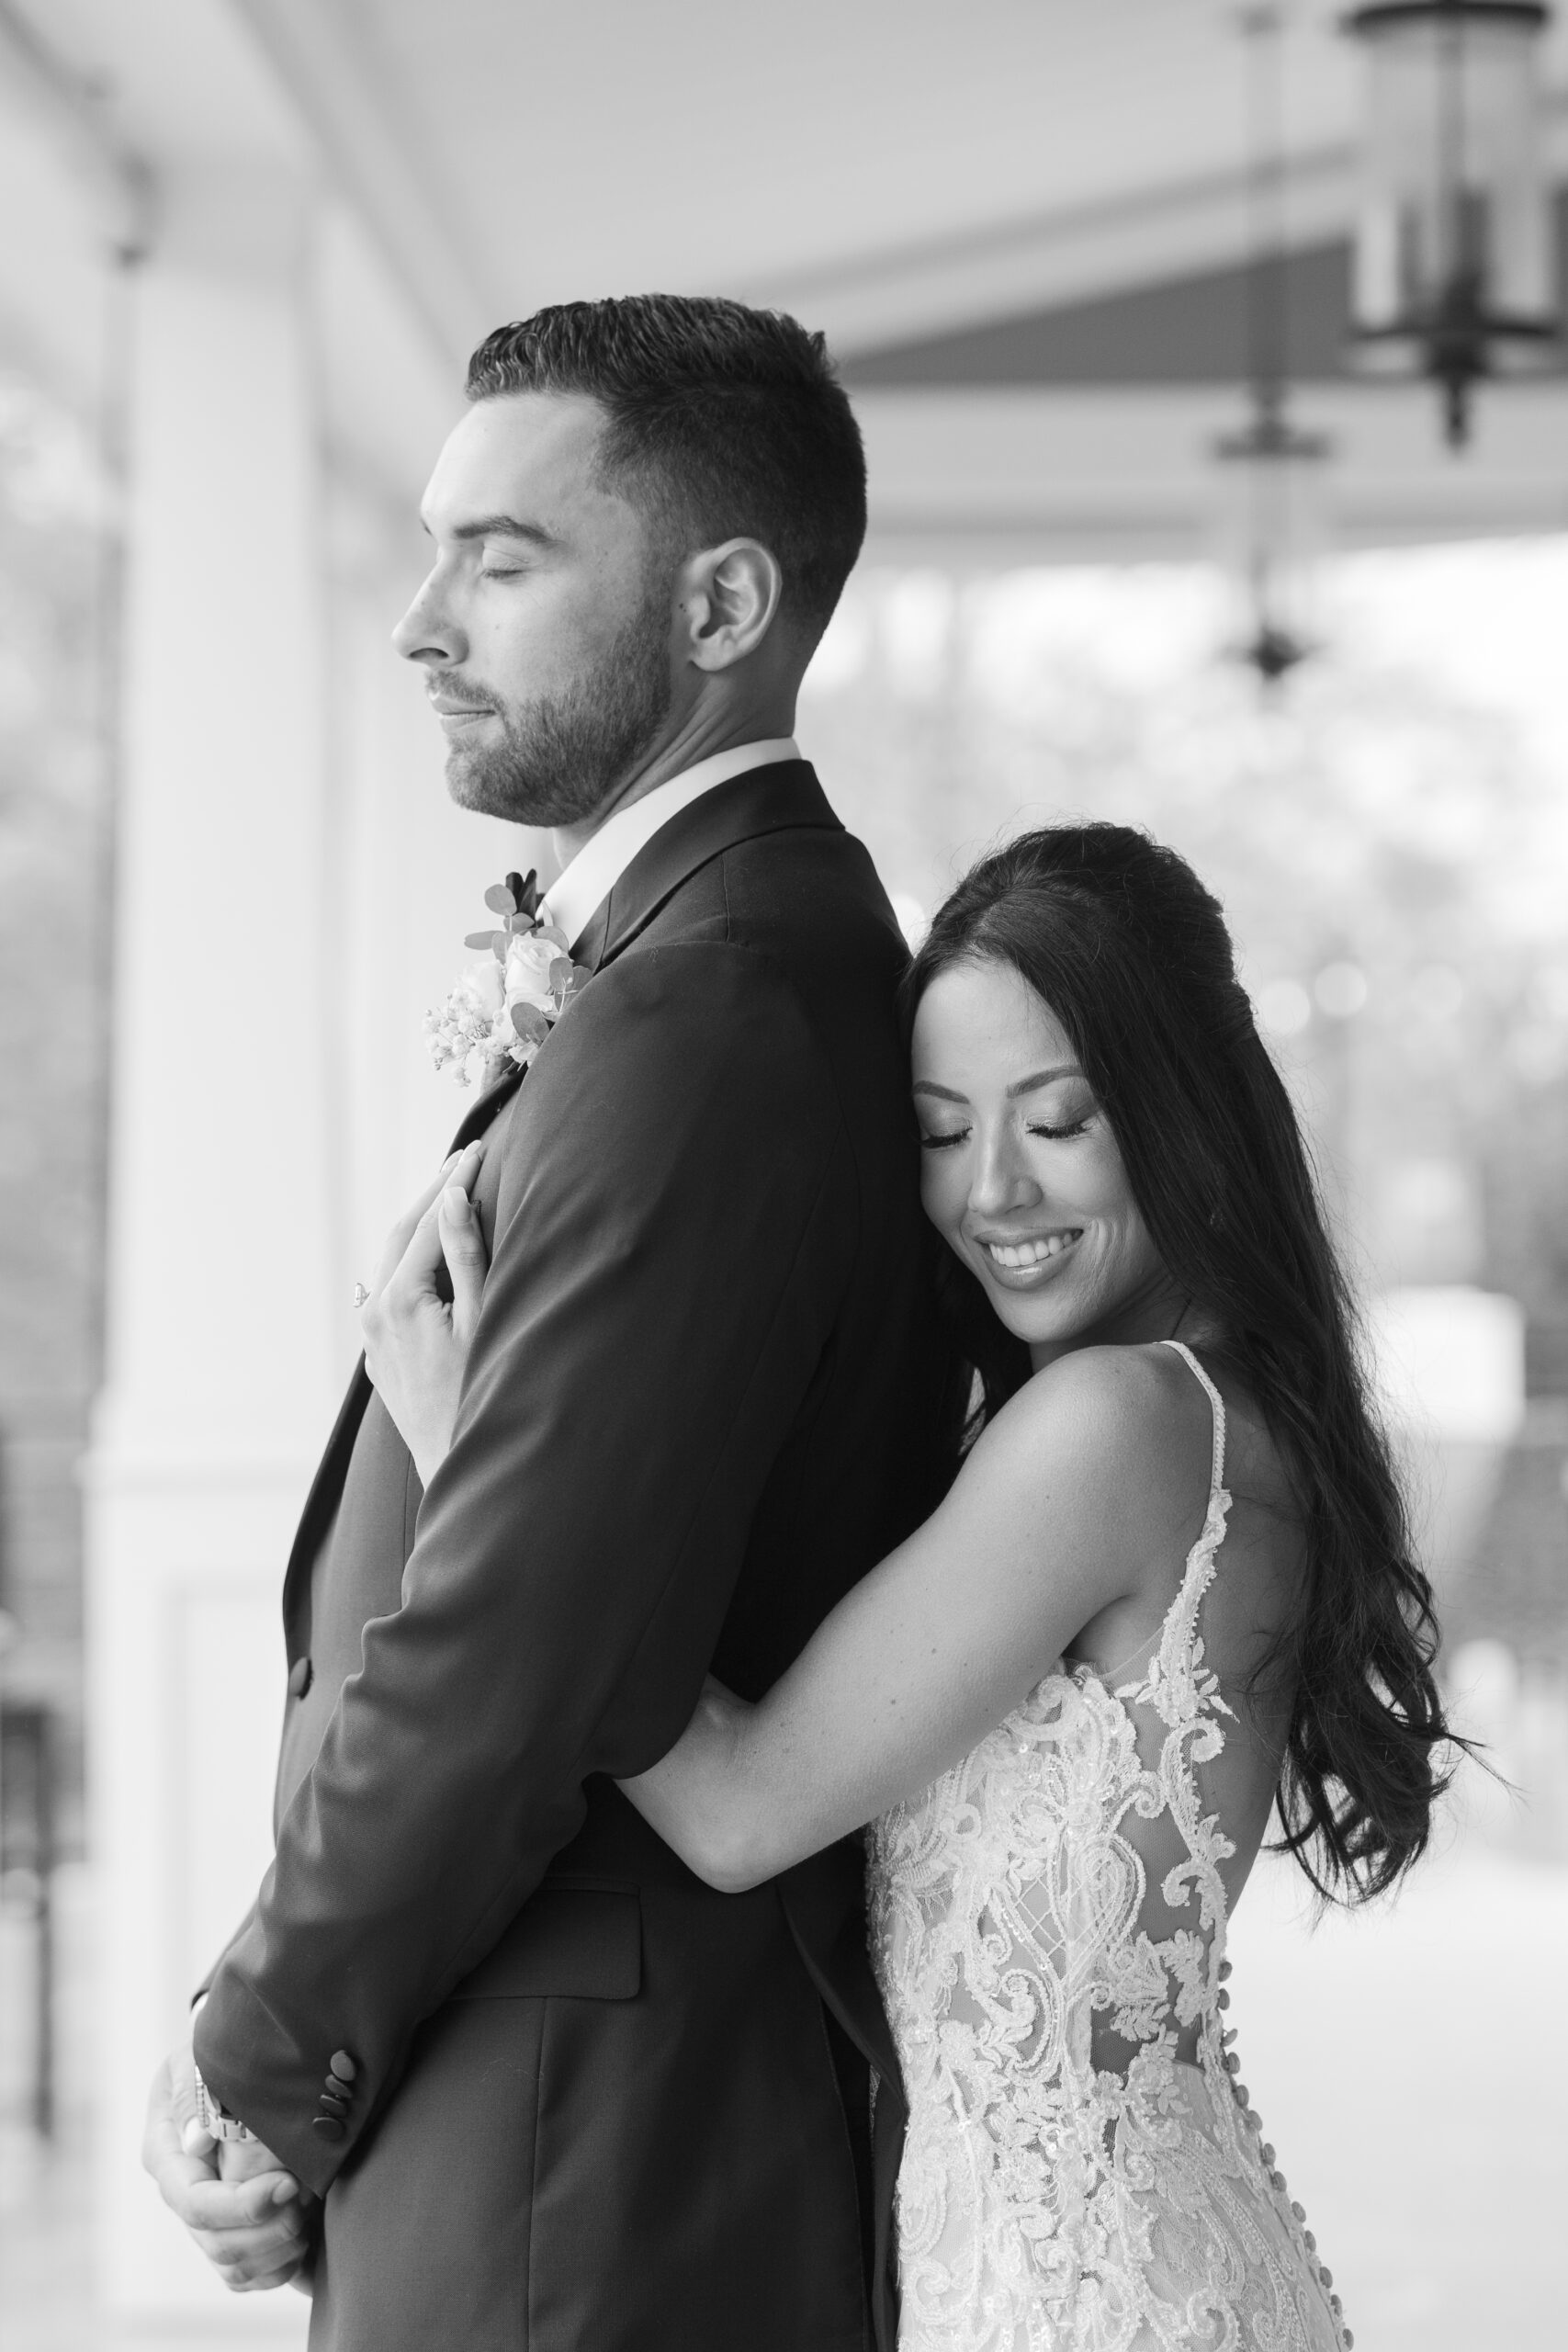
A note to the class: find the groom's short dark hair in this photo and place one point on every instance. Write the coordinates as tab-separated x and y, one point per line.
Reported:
726	423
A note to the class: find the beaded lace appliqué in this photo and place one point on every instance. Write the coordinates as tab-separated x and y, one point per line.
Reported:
1048	1924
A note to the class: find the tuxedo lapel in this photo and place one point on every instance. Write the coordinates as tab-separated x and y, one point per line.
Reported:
588	946
783	796
321	1501
775	799
333	1468
492	1103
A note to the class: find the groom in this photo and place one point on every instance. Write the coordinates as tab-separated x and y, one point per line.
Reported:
553	2091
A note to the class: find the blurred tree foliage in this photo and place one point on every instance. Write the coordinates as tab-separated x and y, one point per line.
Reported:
1370	814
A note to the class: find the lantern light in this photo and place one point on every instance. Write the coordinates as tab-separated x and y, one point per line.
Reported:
1274	536
1454	270
1273	511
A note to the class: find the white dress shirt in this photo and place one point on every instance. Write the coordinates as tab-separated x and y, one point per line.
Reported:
582	886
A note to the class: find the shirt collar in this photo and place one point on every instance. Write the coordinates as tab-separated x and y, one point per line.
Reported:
582	885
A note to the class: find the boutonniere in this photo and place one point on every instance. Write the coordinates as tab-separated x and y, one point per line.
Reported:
506	1003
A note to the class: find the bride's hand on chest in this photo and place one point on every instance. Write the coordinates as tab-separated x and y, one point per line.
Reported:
418	1321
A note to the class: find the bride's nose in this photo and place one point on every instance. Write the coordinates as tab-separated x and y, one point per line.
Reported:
1002	1181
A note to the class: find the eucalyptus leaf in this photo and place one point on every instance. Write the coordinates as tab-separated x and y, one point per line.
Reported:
480	939
499	901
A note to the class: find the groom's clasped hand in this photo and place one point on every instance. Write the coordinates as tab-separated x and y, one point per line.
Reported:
246	2211
249	2216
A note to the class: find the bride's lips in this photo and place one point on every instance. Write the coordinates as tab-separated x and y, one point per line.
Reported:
1031	1259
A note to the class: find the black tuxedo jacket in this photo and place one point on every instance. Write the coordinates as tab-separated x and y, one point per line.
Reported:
556	2093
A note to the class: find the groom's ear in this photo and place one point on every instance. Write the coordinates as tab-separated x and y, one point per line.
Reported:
726	602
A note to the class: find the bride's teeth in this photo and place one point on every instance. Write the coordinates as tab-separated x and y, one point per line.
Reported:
1021	1254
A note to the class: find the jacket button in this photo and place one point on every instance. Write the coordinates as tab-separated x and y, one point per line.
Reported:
328	2126
301	1676
338	2107
342	2066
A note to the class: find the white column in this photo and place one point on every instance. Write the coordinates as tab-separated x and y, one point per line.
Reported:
226	1345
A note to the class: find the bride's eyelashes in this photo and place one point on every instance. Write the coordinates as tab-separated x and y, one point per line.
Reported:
1053	1135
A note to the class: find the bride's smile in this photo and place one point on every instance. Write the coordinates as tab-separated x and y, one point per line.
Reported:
1021	1174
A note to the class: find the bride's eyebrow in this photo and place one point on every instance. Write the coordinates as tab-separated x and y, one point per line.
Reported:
1043	1077
930	1086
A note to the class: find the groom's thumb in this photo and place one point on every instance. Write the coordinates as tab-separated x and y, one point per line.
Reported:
183	2112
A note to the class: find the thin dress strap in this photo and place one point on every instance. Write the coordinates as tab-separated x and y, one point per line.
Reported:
1217	1456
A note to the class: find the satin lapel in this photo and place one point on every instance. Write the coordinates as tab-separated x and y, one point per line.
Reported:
326	1488
778	798
333	1468
590	947
783	797
494	1101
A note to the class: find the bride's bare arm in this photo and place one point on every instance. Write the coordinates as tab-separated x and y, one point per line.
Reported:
1068	1503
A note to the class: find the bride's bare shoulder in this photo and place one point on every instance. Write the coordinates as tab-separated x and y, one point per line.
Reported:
1123	1422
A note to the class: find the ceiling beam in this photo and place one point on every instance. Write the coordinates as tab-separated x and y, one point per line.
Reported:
1045	261
1017	266
337	91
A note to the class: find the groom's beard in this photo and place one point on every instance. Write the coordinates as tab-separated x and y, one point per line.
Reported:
561	755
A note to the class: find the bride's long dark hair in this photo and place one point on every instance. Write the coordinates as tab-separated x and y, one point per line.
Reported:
1131	952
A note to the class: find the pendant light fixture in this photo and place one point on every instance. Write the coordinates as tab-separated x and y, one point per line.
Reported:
1454	269
1272	467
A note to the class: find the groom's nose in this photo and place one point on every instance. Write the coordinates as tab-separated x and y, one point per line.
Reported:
428	631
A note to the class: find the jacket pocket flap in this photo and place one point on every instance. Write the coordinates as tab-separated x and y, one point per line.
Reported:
584	1941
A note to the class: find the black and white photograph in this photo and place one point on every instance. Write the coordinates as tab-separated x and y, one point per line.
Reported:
783	1175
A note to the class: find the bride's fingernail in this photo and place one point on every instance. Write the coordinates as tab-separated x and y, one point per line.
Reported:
456	1201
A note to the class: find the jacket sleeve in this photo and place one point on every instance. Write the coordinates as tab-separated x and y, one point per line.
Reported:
673	1228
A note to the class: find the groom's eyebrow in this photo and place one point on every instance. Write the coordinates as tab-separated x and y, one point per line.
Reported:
504	527
500	526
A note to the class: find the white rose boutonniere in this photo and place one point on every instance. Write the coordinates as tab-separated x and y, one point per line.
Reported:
505	1004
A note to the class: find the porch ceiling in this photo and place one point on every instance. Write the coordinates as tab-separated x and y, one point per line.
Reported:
983	196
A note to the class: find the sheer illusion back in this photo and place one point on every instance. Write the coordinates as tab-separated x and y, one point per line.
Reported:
1048	1926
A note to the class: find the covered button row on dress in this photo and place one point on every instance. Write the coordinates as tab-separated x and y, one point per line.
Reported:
1254	2123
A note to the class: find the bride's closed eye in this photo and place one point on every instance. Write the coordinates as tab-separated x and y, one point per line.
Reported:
949	1136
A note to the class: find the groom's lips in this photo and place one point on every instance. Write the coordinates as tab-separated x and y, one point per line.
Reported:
452	712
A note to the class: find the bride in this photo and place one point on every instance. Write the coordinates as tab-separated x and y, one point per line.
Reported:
1169	1594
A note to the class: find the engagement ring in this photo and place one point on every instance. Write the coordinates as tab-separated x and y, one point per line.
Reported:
360	1294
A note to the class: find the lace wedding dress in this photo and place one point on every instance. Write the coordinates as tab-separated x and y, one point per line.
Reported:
1048	1927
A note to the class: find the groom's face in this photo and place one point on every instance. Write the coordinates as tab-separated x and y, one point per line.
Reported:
543	625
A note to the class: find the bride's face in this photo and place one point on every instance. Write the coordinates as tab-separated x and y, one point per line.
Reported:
1021	1175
